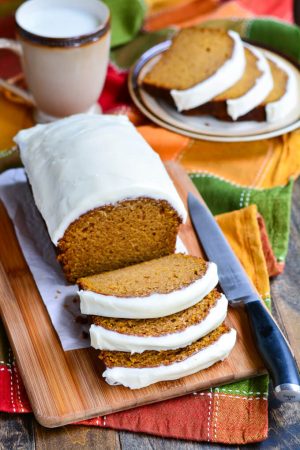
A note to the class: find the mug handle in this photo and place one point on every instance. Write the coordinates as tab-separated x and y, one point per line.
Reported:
15	47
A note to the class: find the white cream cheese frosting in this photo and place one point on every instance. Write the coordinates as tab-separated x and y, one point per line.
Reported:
136	378
282	107
225	77
104	339
85	161
253	97
154	305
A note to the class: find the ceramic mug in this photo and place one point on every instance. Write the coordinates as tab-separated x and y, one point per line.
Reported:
64	51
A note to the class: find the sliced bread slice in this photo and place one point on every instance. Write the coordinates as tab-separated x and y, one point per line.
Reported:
200	64
140	370
165	333
155	288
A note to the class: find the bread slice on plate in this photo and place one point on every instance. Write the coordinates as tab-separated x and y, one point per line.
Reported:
199	65
266	92
211	72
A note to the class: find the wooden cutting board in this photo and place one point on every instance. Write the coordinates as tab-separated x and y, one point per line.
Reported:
65	387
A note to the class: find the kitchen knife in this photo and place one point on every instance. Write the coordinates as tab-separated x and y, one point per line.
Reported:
235	283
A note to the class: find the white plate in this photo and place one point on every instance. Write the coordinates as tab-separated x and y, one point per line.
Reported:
204	127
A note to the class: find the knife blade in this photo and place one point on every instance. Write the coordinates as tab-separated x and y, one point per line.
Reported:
238	289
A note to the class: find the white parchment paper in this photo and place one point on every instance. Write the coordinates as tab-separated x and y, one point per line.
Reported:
60	298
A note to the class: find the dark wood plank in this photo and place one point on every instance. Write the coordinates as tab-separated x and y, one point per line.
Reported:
285	289
130	441
16	432
284	427
75	438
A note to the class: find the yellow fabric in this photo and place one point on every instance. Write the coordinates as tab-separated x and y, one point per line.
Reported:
259	164
242	231
13	117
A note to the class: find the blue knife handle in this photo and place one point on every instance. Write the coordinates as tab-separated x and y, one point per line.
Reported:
275	352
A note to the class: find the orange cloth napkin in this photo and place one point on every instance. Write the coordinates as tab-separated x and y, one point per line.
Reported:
259	164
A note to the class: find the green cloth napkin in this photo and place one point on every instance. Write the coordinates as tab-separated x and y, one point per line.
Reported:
126	19
274	204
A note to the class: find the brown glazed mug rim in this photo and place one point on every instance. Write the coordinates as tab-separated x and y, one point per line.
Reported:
73	41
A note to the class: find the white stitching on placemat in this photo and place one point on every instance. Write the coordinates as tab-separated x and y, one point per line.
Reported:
206	174
201	393
209	414
216	412
243	398
247	199
262	397
237	391
242	199
11	385
18	386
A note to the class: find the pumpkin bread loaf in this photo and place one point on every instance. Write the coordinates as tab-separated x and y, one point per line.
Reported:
104	194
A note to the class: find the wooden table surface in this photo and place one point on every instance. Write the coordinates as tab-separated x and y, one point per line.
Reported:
22	431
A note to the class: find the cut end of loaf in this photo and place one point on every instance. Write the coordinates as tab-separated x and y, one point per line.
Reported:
119	235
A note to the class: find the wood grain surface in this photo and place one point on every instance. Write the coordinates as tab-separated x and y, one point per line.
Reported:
66	387
22	432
